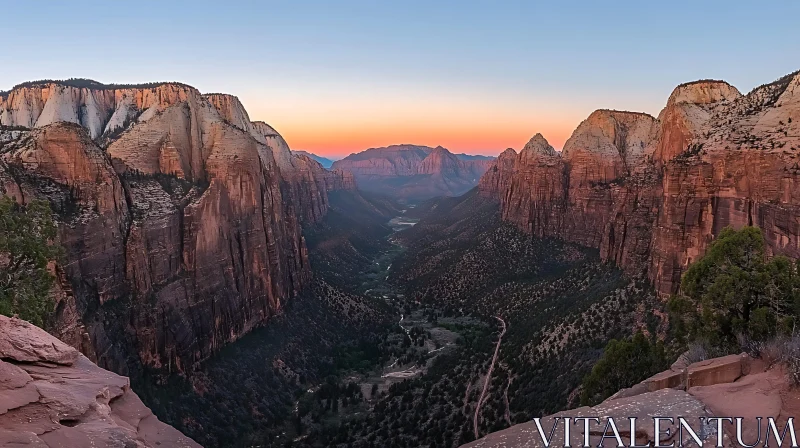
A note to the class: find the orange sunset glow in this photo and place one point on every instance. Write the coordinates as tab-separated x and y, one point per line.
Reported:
353	121
459	137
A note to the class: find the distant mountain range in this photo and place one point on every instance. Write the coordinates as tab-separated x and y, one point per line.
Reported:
325	162
413	173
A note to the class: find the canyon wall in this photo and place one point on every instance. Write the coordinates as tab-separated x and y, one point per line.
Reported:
181	219
651	193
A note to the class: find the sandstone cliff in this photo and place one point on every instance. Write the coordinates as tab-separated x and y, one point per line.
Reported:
182	235
414	172
651	193
52	396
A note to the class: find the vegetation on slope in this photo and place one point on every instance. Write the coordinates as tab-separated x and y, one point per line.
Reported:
283	380
562	305
84	83
245	395
623	364
733	298
27	246
734	290
309	378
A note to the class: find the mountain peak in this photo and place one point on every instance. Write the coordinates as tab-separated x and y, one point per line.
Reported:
438	161
538	145
704	91
509	152
231	109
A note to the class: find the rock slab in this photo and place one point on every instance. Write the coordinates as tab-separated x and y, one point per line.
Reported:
52	396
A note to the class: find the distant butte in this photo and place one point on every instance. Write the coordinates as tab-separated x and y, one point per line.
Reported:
412	172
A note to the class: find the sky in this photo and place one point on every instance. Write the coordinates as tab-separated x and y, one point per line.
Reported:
336	77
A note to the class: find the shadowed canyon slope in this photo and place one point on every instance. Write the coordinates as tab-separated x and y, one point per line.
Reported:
651	193
180	217
414	172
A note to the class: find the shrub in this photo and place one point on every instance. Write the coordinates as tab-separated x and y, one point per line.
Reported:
790	356
623	364
695	352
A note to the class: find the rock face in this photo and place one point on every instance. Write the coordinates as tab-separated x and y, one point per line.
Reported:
52	396
651	193
304	177
182	235
734	385
414	172
663	403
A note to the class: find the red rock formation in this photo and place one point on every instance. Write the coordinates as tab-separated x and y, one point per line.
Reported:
306	180
652	193
499	174
328	180
533	185
340	180
414	172
688	108
184	234
61	163
51	395
395	160
440	161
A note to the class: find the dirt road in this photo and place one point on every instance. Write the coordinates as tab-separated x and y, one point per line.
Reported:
488	377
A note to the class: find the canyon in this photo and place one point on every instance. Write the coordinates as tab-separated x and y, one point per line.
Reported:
414	173
651	192
189	228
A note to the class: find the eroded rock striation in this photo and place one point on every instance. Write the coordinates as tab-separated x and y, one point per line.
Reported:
53	396
651	193
180	217
414	172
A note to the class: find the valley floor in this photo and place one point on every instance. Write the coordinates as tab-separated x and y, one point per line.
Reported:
426	326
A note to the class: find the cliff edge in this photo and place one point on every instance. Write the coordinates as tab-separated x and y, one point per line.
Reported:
53	396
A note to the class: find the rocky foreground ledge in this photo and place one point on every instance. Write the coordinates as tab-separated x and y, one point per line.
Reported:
53	396
730	386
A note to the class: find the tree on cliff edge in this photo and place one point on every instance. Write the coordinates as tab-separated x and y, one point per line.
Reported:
734	290
623	364
27	245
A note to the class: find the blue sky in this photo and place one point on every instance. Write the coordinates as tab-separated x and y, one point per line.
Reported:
475	76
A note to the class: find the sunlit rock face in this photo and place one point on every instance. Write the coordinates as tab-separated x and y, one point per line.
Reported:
414	172
740	168
180	217
651	193
688	110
